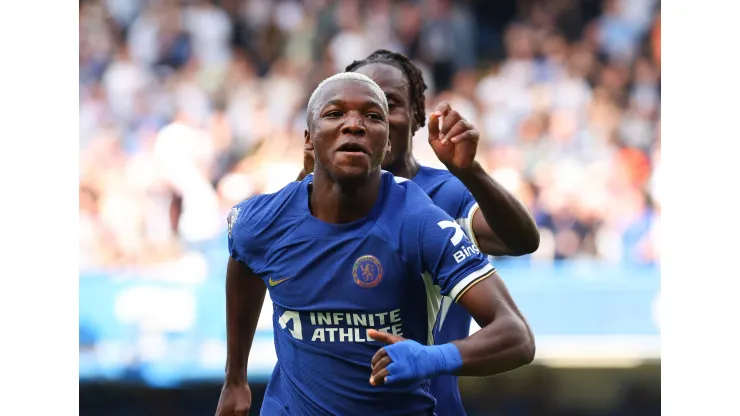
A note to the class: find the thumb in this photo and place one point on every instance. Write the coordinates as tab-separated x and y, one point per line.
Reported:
384	336
434	126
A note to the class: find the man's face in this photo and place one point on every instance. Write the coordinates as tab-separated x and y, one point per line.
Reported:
349	133
394	84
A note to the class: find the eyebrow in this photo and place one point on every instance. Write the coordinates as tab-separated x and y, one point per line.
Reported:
393	96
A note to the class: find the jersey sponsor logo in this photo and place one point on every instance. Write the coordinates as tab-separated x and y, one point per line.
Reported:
367	271
231	219
465	252
459	233
336	326
274	283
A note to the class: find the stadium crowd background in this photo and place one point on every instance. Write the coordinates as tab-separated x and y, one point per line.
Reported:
188	107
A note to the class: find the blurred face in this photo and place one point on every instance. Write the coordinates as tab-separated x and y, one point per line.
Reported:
349	133
394	84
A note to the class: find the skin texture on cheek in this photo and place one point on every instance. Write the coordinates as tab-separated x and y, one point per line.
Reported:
394	84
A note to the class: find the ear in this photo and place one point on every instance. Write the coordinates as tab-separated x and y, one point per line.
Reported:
388	146
307	140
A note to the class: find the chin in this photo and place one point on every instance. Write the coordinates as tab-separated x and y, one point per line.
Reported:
353	176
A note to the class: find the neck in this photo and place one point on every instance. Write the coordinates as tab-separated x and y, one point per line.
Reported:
342	202
406	167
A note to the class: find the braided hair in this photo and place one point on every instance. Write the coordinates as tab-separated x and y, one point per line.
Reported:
412	73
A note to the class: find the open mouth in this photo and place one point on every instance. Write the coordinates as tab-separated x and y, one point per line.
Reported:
353	148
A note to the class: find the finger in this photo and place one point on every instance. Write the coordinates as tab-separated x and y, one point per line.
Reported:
383	336
448	122
380	365
470	135
393	371
379	355
433	126
379	378
443	108
459	128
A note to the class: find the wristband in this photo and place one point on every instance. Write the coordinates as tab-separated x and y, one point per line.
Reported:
413	361
446	358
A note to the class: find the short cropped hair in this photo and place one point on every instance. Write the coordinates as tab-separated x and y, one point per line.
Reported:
343	76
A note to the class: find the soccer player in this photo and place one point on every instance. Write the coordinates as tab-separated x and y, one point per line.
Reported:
497	223
350	255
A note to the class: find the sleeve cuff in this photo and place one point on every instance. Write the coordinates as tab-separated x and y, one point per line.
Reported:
471	280
467	224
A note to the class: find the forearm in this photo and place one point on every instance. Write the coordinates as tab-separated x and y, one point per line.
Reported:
244	298
504	345
507	219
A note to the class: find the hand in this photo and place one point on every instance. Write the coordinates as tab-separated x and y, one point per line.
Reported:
235	400
456	143
407	360
381	360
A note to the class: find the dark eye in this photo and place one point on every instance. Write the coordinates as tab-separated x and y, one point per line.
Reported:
391	106
333	114
375	116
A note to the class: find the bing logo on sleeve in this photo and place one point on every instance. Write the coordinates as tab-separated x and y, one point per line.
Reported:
367	271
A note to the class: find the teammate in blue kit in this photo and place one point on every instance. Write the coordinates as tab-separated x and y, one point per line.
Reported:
350	255
497	223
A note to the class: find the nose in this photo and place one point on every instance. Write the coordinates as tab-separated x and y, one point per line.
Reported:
354	124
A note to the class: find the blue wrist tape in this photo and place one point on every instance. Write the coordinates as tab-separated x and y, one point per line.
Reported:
413	361
446	358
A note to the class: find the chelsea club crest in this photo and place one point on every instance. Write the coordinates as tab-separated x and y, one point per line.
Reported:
367	271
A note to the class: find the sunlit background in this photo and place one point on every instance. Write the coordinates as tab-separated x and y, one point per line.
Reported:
188	107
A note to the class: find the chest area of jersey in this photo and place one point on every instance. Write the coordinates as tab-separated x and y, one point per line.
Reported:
338	274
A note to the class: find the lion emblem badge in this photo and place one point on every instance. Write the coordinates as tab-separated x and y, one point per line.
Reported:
367	271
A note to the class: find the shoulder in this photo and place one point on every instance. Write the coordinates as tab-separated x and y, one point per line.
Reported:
439	179
255	212
408	191
446	191
410	205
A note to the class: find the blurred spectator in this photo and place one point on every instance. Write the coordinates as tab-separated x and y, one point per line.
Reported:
188	107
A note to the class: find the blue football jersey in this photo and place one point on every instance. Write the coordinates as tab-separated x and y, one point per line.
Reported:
453	321
330	283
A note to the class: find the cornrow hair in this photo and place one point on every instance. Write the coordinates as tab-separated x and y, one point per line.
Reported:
412	73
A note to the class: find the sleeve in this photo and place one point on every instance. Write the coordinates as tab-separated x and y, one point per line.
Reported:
244	246
446	254
236	233
464	218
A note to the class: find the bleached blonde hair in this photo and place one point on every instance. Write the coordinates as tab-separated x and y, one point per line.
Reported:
343	76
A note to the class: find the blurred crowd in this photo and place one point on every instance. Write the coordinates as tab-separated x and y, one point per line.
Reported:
188	107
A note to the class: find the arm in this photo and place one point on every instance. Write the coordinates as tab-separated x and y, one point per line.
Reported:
245	293
505	341
502	225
